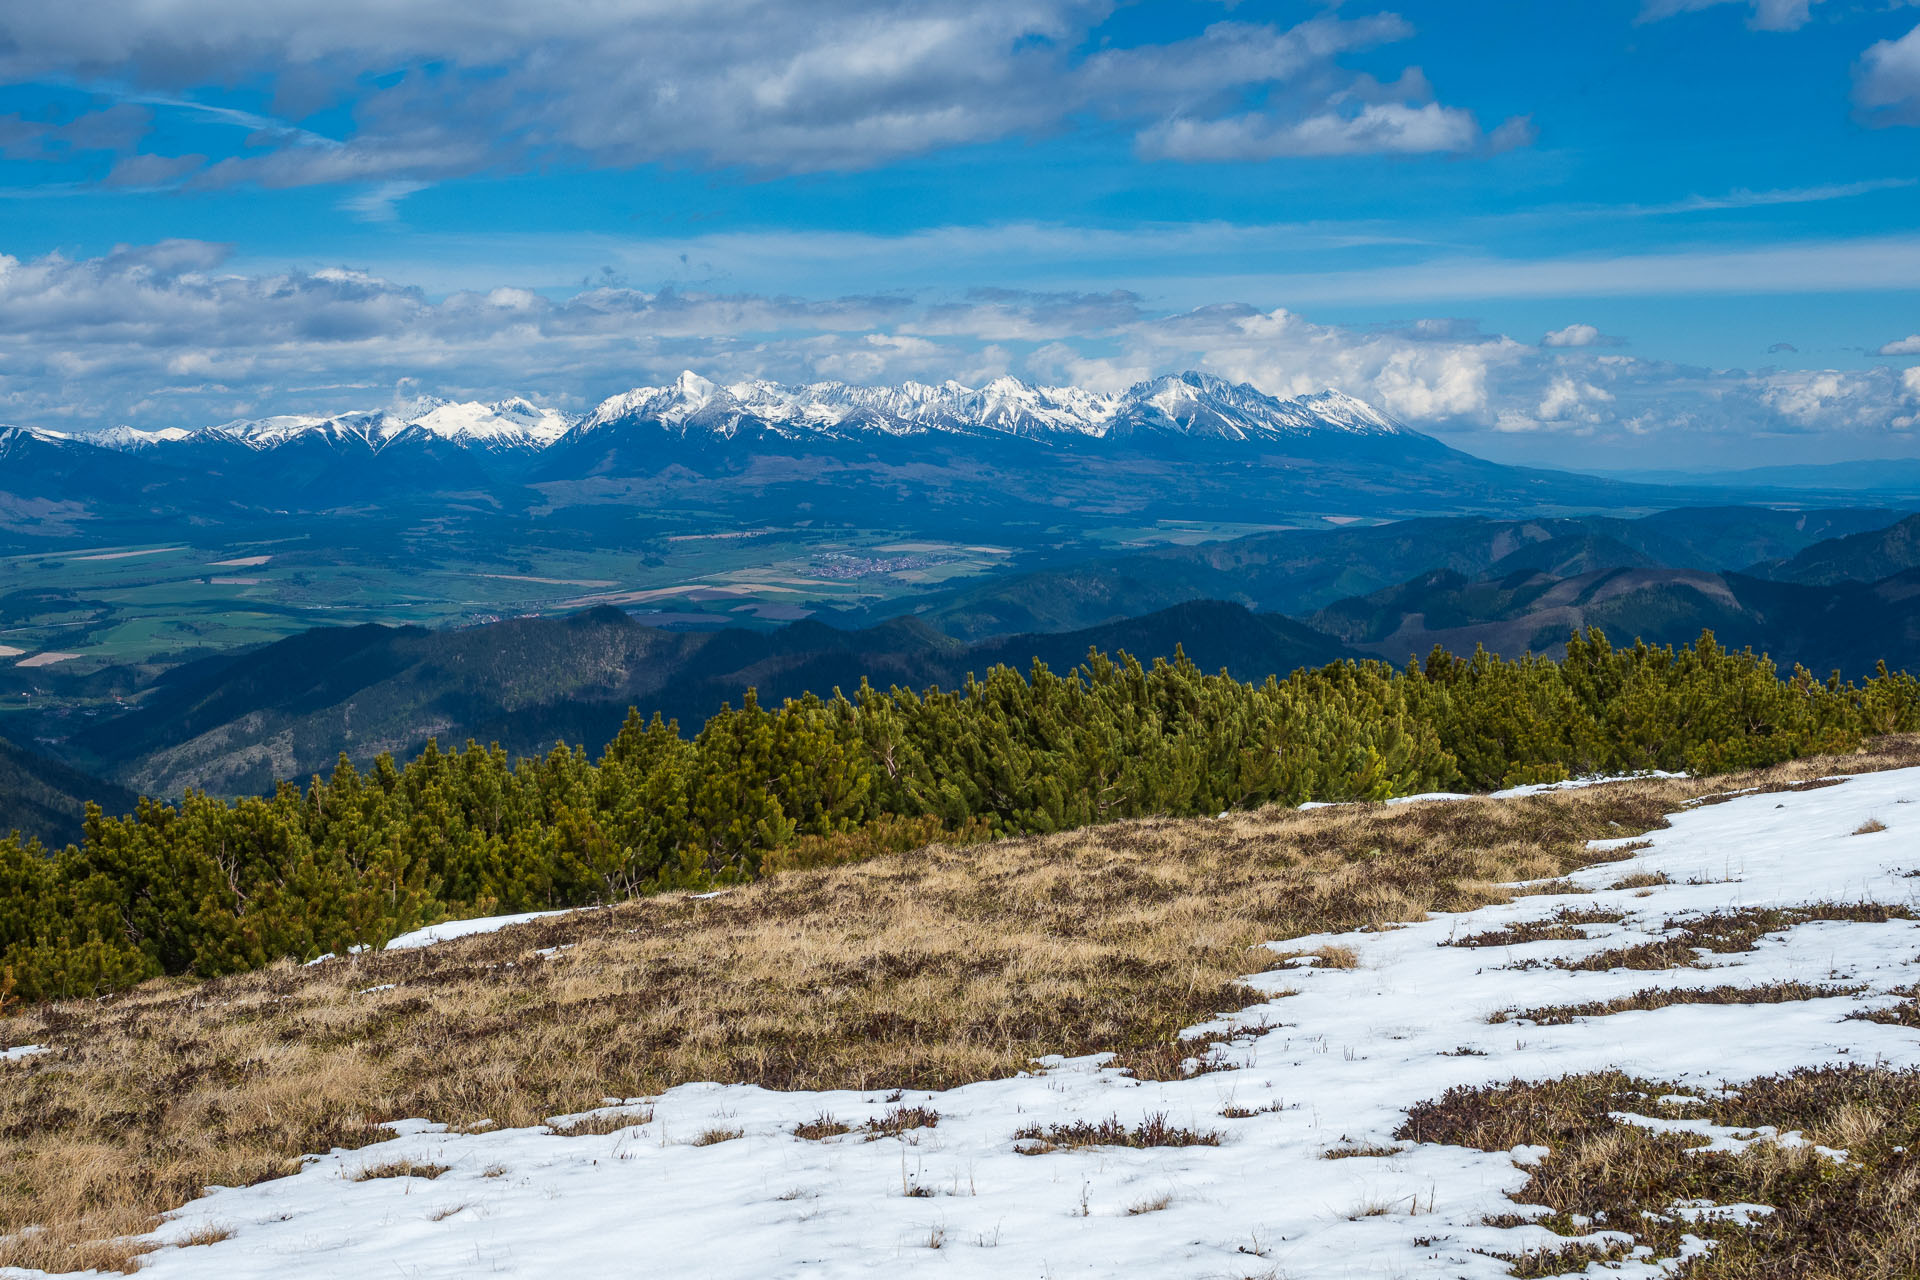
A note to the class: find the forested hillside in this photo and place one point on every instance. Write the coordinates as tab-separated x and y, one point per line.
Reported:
1864	556
209	887
1298	571
237	725
1849	626
45	799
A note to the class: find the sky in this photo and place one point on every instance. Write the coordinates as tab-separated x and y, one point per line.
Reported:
1609	234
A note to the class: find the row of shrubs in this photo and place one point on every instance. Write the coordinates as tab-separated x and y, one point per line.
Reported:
207	886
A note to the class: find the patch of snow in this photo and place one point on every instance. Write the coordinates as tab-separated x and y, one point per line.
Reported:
1740	1215
1348	1053
1725	1140
23	1051
448	930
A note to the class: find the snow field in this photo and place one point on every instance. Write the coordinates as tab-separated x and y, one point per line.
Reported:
1332	1067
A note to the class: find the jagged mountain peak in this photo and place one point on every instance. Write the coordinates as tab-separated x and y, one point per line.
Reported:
1190	404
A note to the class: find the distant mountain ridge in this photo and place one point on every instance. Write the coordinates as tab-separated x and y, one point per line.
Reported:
1187	404
695	457
1865	556
1848	626
1297	572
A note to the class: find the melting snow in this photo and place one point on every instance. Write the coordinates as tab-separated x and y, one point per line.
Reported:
1342	1061
450	929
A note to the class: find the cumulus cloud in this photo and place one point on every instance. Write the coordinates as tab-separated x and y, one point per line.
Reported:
1571	400
1907	346
170	334
1767	15
1579	335
436	88
1886	84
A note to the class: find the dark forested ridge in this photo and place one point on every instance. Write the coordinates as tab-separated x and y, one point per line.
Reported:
208	887
1849	626
1869	555
240	724
45	798
1298	571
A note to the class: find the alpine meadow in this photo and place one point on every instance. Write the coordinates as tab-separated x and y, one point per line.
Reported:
1157	640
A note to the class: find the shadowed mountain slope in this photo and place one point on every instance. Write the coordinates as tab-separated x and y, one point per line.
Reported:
1861	557
1297	571
1851	626
45	800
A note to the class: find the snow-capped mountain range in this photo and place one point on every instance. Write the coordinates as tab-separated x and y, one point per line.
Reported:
513	422
1195	405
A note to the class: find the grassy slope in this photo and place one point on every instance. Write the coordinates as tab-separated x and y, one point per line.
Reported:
924	969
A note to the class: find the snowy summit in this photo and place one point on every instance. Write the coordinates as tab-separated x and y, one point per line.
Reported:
1191	405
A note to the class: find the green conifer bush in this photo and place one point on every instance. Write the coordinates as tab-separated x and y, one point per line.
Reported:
208	887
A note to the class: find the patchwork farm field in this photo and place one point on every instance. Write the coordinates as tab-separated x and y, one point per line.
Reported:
118	604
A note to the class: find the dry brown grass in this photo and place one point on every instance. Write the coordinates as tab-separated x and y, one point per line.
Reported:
1904	1014
920	970
1564	926
1323	957
1832	1219
1154	1131
1727	932
602	1123
1666	997
399	1169
821	1128
900	1120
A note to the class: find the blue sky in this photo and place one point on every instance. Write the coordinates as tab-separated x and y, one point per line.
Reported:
1626	232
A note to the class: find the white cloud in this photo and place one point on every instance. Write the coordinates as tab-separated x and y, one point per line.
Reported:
381	203
1907	346
1887	81
1742	198
1372	129
170	335
1767	15
1570	400
1578	335
438	88
1866	264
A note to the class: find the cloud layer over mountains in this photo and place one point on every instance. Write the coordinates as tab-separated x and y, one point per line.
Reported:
168	335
